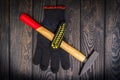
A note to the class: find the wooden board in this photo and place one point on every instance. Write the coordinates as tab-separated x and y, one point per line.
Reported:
112	50
73	35
92	35
20	41
4	39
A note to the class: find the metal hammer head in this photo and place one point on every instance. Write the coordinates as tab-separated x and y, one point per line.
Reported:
88	62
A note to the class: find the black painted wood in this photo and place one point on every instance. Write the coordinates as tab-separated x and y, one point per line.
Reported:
20	41
4	39
91	24
73	35
92	36
112	51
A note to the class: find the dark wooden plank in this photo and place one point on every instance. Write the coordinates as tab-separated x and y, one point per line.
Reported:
20	41
4	39
112	48
64	74
92	36
38	16
73	35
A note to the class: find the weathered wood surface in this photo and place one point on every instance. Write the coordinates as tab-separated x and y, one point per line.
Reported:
91	24
20	41
4	39
92	35
112	51
73	35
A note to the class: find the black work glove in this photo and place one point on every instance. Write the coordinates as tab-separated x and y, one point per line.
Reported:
44	54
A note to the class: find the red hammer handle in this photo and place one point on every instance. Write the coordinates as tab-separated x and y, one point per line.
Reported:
49	35
29	21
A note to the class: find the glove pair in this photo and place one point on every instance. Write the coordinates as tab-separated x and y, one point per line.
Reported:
44	54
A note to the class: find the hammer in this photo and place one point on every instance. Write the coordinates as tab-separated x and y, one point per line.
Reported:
68	48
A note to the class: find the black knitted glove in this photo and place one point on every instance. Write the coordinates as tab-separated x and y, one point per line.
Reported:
44	54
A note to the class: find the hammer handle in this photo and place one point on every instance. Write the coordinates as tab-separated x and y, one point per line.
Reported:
49	35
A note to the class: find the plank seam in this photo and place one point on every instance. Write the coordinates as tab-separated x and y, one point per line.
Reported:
104	36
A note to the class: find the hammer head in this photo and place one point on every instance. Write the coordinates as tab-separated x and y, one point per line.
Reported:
88	62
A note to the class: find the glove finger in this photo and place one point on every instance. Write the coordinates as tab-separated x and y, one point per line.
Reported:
44	60
54	61
45	52
65	62
37	56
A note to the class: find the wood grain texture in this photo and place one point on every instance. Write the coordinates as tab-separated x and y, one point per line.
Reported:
73	35
92	36
20	41
4	40
112	48
38	16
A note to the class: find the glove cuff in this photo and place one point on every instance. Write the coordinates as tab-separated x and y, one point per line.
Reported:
54	7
